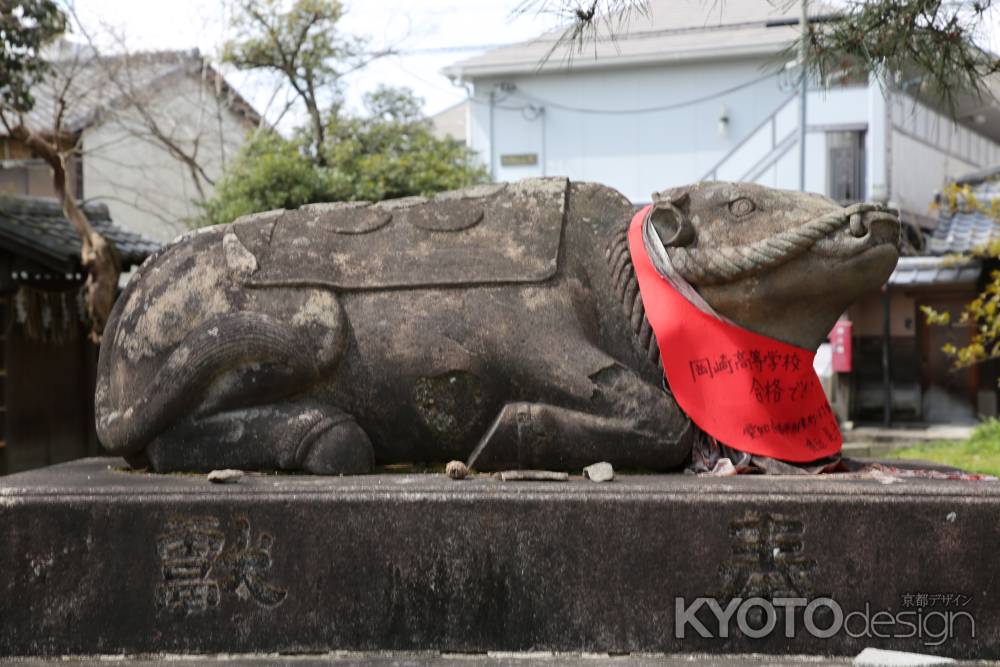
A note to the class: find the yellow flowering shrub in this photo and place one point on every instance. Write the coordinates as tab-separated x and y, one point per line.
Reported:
982	312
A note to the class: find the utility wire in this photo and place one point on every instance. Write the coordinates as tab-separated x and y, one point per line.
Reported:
540	101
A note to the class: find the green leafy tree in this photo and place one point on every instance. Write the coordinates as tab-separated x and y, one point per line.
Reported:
302	44
389	151
269	172
26	27
929	44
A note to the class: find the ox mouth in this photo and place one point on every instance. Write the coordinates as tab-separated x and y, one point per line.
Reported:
864	228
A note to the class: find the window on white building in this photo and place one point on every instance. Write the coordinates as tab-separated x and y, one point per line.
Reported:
845	166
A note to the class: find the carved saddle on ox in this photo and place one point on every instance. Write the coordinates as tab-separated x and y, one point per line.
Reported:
490	234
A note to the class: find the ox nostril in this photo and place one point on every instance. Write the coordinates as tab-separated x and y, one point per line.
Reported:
885	229
858	227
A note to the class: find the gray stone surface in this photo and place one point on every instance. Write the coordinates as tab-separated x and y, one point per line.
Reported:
500	325
432	659
97	561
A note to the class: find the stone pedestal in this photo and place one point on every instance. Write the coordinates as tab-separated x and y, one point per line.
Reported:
94	560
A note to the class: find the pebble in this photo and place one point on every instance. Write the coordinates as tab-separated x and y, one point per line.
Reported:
227	476
599	472
456	470
874	657
533	476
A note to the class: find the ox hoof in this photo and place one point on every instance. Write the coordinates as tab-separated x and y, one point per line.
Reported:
337	446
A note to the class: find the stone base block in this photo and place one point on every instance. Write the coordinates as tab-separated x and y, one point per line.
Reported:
94	560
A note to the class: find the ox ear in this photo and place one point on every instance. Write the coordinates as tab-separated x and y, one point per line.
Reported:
679	198
672	224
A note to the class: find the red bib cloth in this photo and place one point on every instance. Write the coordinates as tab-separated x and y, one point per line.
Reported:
748	391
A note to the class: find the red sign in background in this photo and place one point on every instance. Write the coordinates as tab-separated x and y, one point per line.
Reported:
750	392
840	346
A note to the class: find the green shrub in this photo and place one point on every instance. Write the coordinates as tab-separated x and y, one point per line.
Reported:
980	453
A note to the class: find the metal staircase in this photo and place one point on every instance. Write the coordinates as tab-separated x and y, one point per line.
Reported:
761	148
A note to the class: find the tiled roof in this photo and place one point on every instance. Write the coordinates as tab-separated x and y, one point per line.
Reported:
37	229
961	232
672	30
983	177
911	271
965	229
99	83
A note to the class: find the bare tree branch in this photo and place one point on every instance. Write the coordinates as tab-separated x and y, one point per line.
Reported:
119	73
98	256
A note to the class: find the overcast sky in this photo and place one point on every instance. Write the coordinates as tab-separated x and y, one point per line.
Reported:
405	25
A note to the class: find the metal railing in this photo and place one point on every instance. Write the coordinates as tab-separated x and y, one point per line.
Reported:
775	146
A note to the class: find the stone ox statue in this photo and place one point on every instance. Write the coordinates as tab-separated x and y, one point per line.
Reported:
500	324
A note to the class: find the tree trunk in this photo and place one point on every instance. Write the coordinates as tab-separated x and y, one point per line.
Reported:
98	255
320	133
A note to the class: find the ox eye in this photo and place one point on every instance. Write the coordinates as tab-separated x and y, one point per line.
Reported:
742	206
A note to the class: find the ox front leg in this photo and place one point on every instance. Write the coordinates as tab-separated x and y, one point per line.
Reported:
547	437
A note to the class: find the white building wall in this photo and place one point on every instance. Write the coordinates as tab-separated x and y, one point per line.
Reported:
928	150
816	180
635	153
146	189
638	153
451	122
770	154
910	150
